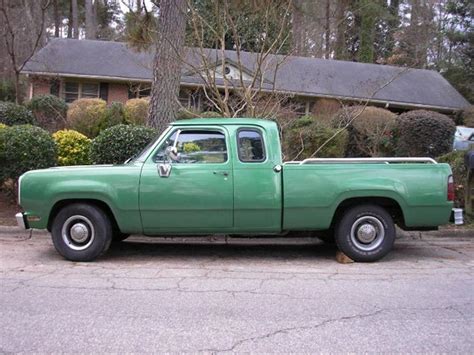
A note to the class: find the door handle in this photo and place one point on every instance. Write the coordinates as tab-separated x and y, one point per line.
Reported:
225	173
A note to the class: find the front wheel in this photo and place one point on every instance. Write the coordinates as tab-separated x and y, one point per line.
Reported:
81	232
365	233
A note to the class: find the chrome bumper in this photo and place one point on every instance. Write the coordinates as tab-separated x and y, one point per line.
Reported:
21	221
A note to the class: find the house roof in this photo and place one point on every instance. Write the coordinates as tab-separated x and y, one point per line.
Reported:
403	87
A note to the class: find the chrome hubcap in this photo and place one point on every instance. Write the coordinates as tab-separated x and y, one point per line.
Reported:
367	233
78	232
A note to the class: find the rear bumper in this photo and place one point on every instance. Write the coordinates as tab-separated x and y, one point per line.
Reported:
21	220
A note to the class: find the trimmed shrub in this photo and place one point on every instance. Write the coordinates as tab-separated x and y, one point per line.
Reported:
136	111
86	116
23	148
3	126
7	90
13	114
73	147
49	111
456	160
371	130
424	133
307	135
186	114
114	115
118	143
467	116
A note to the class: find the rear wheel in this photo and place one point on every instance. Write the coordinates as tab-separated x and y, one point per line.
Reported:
81	232
365	233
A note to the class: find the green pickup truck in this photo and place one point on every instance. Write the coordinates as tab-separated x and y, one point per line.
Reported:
206	176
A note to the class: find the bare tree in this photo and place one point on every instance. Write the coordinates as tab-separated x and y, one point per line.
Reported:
22	32
167	65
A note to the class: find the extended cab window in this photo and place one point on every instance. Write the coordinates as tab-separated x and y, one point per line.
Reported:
250	146
197	146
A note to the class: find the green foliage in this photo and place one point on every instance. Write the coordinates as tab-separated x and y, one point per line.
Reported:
72	147
371	130
23	148
456	160
191	147
424	133
49	111
114	115
7	90
308	135
86	116
3	126
136	111
13	114
139	29
186	114
118	143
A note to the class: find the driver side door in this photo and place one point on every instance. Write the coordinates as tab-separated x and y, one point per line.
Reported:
197	196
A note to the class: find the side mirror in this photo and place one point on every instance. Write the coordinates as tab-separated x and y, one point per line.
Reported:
164	169
172	154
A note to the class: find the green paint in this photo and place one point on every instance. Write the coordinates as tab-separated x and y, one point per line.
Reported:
234	196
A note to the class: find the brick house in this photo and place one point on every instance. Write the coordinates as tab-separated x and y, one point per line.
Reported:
75	69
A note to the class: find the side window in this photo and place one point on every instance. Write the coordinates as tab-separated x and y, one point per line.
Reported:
250	146
196	146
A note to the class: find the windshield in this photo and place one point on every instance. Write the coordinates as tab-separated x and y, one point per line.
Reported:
141	157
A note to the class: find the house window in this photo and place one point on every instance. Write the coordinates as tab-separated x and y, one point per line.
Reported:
75	90
138	91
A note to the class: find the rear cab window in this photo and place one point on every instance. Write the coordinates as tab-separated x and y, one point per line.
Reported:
250	145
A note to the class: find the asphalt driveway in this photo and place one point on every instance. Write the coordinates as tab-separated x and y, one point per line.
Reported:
163	296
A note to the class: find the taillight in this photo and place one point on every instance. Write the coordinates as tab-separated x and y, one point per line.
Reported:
451	194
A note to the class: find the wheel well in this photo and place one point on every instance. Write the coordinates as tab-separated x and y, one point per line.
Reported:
97	203
389	204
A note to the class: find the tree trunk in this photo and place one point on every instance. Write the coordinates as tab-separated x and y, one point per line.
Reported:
340	50
298	28
90	21
57	20
327	31
393	23
367	31
75	19
167	63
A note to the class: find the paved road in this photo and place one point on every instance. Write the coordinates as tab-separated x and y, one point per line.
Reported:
155	296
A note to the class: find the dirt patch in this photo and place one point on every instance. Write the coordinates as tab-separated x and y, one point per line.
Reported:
8	209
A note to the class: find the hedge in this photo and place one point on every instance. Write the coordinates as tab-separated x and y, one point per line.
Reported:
23	148
86	116
307	135
456	160
49	111
136	111
424	133
114	115
118	143
13	114
371	130
73	148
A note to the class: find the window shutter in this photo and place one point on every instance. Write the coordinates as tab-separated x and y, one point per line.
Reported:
104	91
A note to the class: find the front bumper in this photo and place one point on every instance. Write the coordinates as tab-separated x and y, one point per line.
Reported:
21	220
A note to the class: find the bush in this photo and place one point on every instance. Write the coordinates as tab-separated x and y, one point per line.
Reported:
86	116
186	114
49	111
467	116
114	115
136	111
456	160
3	126
13	114
118	143
73	147
370	129
424	133
7	90
308	134
23	148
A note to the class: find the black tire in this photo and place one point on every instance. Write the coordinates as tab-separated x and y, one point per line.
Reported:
358	226
81	232
119	237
